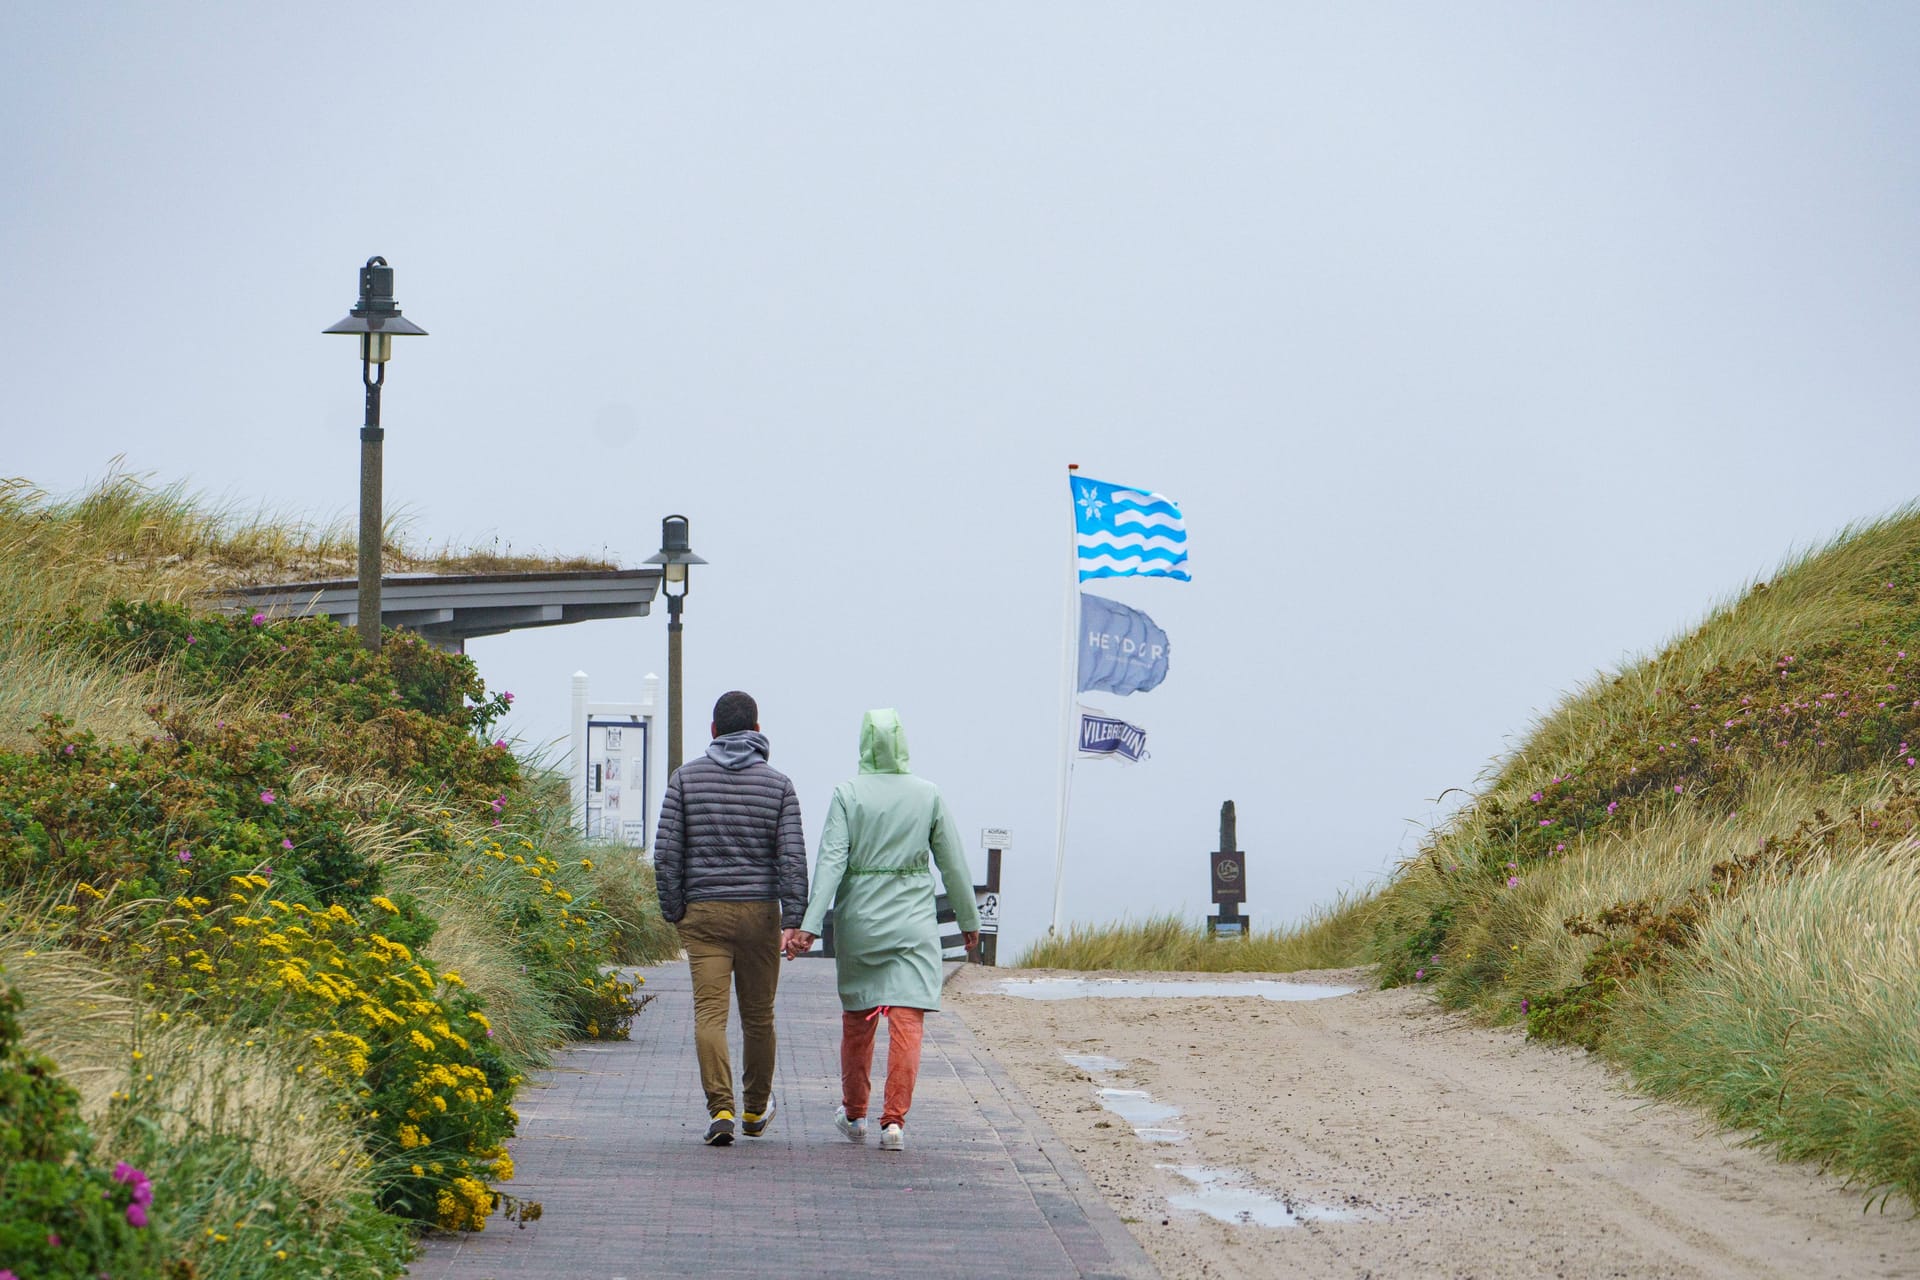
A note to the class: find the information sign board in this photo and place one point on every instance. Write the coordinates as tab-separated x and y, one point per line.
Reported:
618	764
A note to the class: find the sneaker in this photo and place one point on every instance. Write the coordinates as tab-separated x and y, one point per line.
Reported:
852	1130
755	1125
892	1139
720	1132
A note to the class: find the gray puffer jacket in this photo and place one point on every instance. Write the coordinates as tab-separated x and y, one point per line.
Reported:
730	832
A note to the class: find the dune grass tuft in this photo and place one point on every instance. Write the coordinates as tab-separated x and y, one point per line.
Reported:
1330	938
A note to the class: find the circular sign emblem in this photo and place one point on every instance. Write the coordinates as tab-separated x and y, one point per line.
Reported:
1227	870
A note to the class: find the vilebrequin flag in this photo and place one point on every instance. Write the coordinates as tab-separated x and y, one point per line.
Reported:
1121	649
1126	533
1111	737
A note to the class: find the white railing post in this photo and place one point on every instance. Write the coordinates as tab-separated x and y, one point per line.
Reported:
577	763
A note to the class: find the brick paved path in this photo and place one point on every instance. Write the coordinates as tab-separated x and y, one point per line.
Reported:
609	1143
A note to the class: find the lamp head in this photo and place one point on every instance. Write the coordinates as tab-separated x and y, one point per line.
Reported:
675	554
374	318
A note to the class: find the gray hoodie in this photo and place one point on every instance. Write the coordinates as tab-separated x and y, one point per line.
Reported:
738	750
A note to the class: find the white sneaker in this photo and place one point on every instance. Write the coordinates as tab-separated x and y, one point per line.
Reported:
892	1139
852	1130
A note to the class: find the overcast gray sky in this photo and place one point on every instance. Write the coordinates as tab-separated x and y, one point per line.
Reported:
1483	344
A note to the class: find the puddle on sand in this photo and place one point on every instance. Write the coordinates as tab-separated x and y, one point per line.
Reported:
1098	1063
1222	1195
1138	988
1137	1108
1161	1135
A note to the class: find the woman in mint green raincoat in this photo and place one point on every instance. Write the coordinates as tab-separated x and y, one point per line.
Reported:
873	870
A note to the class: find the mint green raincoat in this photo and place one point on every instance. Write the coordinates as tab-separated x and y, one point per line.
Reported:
873	871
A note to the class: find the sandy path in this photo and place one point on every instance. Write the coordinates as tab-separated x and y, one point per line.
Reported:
1466	1151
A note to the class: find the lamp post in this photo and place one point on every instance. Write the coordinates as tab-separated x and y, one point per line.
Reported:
376	321
674	557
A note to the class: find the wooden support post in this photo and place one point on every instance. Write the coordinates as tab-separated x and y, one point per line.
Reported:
989	896
1229	863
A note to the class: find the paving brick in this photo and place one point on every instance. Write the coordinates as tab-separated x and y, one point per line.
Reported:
610	1145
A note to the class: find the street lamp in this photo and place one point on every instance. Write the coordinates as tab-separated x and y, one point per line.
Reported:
674	557
377	321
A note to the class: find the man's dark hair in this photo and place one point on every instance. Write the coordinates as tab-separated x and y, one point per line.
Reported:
735	711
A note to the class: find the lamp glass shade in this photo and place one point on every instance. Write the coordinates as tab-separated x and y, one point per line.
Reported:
674	571
376	348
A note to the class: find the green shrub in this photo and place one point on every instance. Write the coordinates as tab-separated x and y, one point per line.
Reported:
62	1216
225	865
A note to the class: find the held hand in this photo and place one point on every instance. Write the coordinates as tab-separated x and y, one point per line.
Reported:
972	938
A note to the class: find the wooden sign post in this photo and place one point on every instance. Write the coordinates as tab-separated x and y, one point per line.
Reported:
987	896
1229	880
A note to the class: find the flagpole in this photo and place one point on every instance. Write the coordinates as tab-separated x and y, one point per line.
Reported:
1068	730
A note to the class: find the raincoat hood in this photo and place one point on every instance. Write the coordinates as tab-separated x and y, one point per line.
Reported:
883	743
738	750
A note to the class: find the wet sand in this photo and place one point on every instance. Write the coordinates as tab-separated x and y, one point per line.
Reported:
1385	1138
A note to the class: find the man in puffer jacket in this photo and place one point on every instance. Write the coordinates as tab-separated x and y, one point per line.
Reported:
731	865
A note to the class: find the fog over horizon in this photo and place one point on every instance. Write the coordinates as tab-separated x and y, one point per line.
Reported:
1484	348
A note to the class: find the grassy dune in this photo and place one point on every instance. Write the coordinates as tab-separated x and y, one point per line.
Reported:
1704	866
279	927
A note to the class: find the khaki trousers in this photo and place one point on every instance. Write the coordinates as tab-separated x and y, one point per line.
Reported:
737	942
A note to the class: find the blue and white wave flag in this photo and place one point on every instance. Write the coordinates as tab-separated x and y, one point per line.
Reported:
1128	533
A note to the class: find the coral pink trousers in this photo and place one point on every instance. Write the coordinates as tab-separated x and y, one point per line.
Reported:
904	1030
